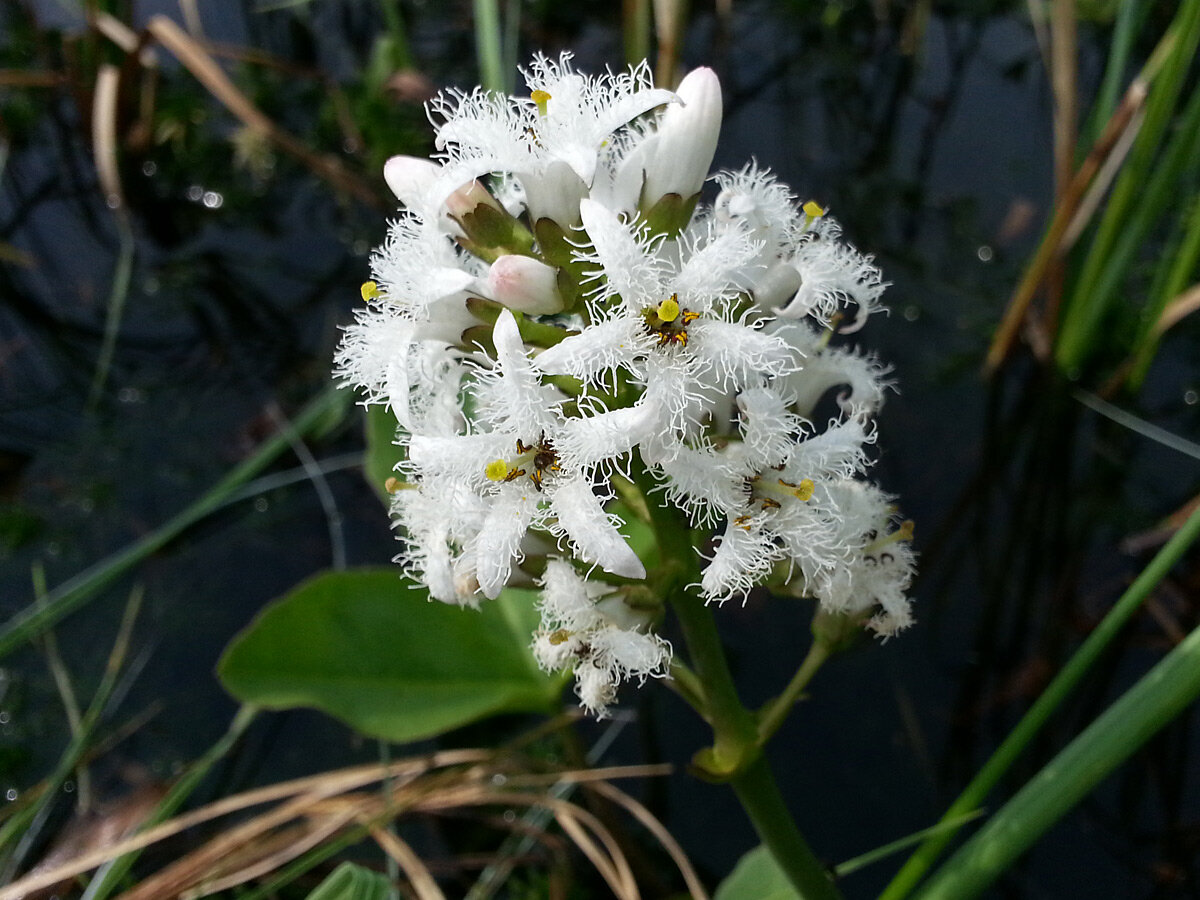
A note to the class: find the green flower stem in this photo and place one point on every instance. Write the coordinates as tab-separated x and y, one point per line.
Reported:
684	682
773	713
735	755
1020	737
759	795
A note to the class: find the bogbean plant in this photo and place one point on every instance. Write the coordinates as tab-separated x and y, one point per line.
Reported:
629	397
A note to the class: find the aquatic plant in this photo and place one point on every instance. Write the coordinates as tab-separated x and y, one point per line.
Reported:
645	350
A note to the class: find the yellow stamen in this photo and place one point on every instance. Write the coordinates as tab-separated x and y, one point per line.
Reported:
559	637
814	210
392	485
541	98
802	491
369	290
497	470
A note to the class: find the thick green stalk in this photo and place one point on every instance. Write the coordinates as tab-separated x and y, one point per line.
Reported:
735	755
1020	737
759	795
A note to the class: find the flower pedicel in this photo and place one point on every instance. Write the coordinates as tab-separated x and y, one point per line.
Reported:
580	325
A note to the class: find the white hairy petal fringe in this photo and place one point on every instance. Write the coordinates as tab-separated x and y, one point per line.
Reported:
629	267
714	267
499	541
769	428
567	600
744	556
593	532
738	355
598	350
754	198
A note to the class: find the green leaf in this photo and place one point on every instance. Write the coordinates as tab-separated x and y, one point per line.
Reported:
382	454
366	647
756	875
351	882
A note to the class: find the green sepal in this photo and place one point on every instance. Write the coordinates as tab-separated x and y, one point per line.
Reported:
558	251
479	336
837	631
492	233
670	215
486	311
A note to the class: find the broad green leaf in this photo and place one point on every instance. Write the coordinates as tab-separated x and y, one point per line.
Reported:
756	875
382	454
368	648
351	882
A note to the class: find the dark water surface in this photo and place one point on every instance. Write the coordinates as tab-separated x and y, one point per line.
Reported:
241	276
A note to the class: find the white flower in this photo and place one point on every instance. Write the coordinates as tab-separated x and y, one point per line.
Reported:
550	141
663	315
512	464
587	628
632	327
676	156
833	273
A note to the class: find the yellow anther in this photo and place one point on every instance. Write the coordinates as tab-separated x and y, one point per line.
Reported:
497	470
813	209
559	637
668	310
905	531
392	485
802	491
369	290
541	98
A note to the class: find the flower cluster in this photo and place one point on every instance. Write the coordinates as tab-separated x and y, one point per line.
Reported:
577	325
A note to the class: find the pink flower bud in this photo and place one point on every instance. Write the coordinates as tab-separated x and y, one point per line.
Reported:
468	197
525	284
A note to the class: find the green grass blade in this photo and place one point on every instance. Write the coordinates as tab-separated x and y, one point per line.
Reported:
79	589
975	793
489	45
22	828
1162	694
1103	269
1176	280
1159	196
1130	15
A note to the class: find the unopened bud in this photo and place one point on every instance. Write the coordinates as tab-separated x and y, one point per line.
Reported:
470	196
685	140
410	178
525	284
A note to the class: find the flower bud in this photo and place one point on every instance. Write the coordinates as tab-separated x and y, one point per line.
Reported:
410	178
468	198
525	284
686	139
